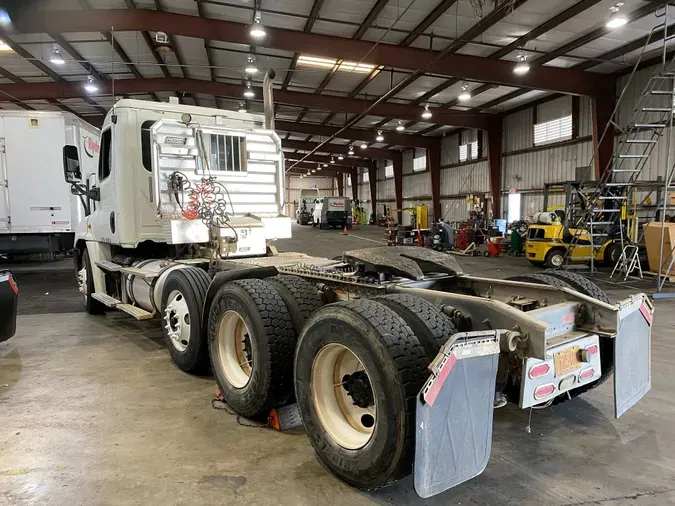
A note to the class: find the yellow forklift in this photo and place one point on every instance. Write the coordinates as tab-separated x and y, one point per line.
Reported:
551	233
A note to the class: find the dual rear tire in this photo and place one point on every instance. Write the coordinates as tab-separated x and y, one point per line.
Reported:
355	368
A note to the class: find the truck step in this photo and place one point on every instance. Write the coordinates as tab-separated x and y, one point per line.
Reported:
108	266
135	311
139	272
106	299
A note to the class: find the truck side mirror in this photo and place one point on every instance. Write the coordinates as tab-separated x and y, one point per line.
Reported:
71	164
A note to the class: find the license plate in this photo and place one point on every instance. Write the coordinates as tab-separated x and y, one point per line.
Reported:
566	361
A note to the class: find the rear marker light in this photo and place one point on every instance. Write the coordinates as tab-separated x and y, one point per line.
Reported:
544	391
566	383
539	370
13	285
586	374
592	350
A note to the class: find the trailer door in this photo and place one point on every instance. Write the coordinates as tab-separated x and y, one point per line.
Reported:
4	194
38	193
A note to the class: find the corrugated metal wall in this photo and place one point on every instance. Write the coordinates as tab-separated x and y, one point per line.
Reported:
526	171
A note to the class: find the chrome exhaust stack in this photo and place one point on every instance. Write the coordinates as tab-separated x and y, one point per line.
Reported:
268	99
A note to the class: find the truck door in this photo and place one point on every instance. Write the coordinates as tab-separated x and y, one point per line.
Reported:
104	220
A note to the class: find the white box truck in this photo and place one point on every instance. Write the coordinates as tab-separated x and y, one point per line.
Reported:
38	213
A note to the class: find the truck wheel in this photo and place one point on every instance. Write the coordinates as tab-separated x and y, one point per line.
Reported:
580	284
612	254
540	279
301	298
181	305
428	323
358	370
251	345
86	283
555	258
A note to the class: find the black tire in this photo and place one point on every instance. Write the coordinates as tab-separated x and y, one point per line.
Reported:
555	258
272	343
536	263
587	287
428	322
541	279
396	366
576	282
301	298
612	254
192	284
580	284
91	305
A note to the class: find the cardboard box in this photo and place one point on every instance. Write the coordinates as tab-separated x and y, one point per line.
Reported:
652	242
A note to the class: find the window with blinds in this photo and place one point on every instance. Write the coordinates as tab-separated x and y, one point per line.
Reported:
349	180
366	176
389	170
420	163
228	153
468	151
551	131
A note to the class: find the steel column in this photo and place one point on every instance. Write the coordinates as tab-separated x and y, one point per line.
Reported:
372	181
494	142
398	184
354	174
434	164
341	185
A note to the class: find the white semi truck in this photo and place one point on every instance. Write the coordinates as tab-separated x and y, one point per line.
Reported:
395	359
38	214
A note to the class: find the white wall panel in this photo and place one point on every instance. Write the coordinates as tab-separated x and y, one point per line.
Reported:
533	169
417	185
517	131
454	209
450	150
554	109
585	117
464	179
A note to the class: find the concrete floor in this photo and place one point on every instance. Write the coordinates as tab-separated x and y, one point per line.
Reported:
92	412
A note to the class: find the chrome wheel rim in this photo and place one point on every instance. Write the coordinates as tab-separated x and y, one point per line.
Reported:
348	419
557	260
177	320
235	350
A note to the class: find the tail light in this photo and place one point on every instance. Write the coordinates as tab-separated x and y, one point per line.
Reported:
544	391
539	370
586	374
593	349
13	285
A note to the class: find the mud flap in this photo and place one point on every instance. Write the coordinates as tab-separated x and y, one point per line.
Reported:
632	354
454	413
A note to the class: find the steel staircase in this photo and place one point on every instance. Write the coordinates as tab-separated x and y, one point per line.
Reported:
608	197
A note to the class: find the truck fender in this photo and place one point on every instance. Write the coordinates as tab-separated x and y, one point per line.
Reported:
225	277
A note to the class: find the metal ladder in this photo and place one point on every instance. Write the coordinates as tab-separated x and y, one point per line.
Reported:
608	196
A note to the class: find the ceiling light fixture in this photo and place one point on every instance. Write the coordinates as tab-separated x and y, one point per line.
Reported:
162	43
341	156
364	145
616	19
251	67
380	137
90	86
465	94
522	67
427	113
318	166
400	127
257	29
351	150
313	170
248	92
325	165
332	160
57	57
243	107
